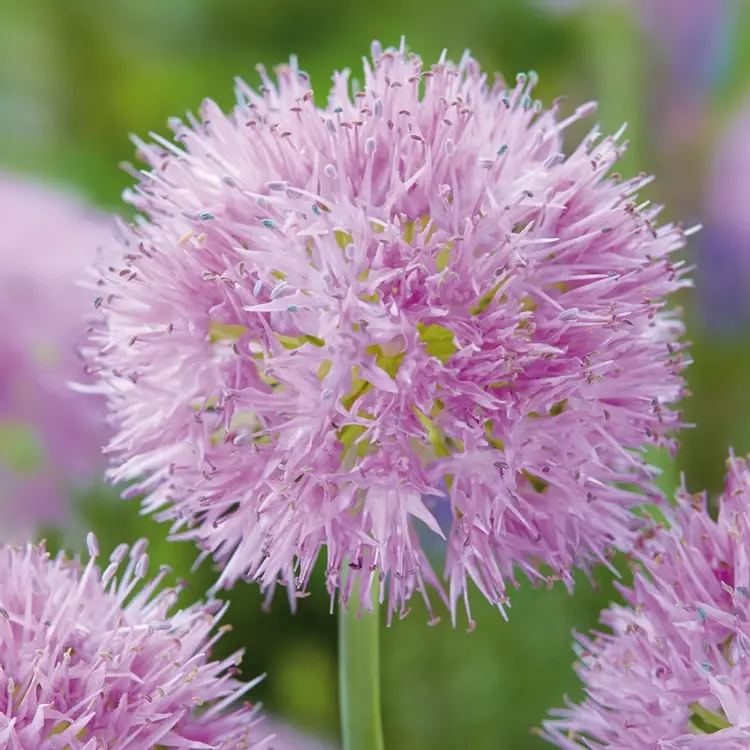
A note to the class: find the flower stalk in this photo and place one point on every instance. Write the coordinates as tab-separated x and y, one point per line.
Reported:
359	676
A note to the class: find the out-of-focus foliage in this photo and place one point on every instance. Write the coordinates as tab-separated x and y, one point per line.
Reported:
77	76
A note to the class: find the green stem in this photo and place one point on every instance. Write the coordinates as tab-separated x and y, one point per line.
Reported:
359	677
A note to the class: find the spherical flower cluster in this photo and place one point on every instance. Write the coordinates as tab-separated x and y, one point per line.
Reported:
89	661
325	320
50	437
674	669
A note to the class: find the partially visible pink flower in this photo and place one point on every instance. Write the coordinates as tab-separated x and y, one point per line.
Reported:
725	260
50	437
286	737
91	659
326	315
673	668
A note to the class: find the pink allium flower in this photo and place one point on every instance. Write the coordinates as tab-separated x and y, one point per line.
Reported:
90	660
327	315
674	671
50	437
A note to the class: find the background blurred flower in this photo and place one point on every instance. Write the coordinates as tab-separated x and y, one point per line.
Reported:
289	738
91	660
689	45
332	313
674	670
50	437
688	42
724	281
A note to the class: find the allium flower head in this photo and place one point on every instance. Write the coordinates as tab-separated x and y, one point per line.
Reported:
95	660
50	437
328	315
674	668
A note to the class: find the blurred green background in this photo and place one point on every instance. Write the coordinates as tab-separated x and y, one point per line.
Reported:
76	76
